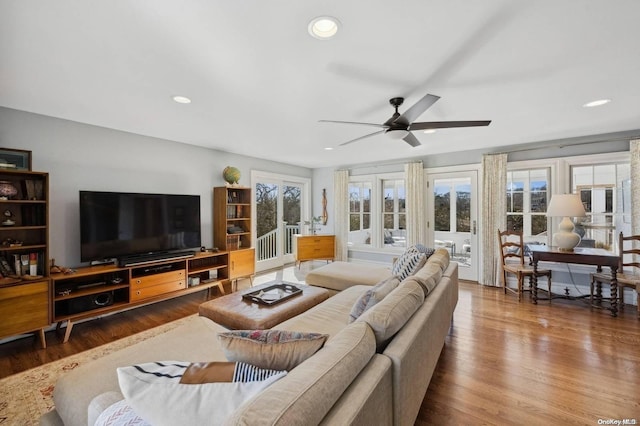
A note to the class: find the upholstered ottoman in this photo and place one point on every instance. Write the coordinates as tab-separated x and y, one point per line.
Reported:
234	312
341	275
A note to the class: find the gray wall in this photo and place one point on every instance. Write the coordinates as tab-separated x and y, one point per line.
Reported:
83	157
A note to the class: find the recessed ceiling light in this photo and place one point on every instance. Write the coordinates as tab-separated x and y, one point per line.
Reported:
182	99
329	148
599	102
429	131
323	27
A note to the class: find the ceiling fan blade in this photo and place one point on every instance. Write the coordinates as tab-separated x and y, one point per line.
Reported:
411	140
417	109
447	124
363	137
354	122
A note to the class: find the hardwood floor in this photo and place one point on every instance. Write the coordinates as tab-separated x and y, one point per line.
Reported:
504	362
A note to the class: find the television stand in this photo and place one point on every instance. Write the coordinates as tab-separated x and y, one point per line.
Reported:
153	258
93	291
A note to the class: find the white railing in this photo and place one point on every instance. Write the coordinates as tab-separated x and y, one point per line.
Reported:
267	245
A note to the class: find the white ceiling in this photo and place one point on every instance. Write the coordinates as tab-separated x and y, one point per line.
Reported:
259	83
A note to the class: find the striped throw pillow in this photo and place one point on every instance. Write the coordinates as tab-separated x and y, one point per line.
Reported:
408	264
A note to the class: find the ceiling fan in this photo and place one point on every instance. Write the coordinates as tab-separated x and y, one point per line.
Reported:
400	126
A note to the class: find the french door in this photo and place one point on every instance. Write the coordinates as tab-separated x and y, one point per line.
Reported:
453	218
281	204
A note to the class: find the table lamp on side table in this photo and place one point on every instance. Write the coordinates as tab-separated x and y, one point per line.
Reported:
566	206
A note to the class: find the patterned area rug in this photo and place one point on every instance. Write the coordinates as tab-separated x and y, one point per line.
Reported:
25	396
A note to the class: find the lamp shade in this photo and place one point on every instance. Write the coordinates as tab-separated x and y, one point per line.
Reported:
566	206
562	205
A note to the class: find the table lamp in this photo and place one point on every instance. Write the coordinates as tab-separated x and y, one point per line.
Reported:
565	206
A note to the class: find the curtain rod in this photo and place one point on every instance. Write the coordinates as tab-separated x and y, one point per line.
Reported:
566	145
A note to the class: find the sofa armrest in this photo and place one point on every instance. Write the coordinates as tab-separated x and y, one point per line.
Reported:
417	346
368	400
101	403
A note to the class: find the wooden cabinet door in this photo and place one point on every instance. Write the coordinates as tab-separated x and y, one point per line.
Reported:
24	308
242	263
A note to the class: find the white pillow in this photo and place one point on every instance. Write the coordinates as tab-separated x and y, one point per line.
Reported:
154	392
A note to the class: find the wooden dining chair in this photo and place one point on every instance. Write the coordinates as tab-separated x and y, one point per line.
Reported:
511	249
628	274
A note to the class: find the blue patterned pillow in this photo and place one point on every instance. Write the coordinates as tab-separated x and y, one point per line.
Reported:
408	264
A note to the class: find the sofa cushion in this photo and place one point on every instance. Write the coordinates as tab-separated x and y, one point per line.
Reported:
390	315
408	263
342	275
430	274
272	349
332	314
372	296
156	392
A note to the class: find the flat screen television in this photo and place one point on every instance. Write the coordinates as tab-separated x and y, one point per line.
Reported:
118	224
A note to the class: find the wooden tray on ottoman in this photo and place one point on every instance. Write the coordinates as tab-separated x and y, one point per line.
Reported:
236	312
273	294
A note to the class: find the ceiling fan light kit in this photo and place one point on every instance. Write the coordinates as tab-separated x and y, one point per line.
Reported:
397	134
399	126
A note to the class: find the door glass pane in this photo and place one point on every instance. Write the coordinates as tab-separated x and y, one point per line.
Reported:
442	208
452	218
266	220
463	208
291	207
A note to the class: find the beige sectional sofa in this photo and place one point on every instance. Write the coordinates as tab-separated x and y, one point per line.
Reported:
366	373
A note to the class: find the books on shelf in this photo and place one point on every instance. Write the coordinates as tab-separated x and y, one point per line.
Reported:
18	265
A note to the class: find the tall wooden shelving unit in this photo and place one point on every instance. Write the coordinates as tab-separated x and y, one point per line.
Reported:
24	253
232	224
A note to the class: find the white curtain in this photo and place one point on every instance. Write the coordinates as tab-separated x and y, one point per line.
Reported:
416	204
494	213
341	213
634	148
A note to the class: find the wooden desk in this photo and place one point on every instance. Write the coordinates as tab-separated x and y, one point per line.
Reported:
579	255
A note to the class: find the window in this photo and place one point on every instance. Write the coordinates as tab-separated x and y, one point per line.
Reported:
527	198
604	191
394	218
360	213
377	211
